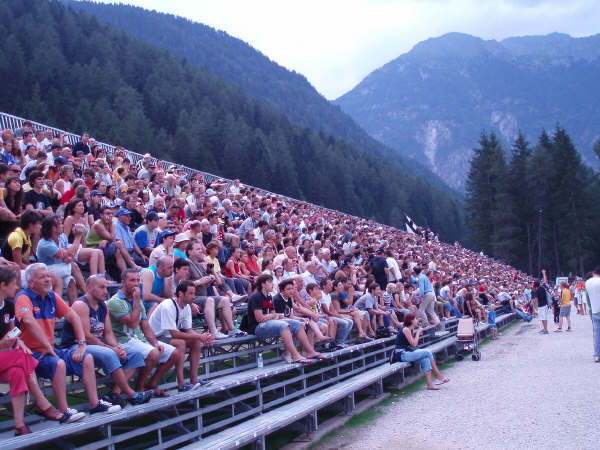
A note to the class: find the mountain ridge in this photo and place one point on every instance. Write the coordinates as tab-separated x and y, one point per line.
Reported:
432	102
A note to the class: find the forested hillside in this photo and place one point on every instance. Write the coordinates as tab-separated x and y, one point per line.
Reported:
537	209
65	68
238	63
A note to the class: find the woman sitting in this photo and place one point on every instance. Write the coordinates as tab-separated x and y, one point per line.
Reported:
76	224
407	340
17	364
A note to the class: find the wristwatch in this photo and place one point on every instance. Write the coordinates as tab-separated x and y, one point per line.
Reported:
81	342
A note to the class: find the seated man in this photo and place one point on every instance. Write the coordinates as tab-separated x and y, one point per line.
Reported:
36	309
157	283
134	334
264	322
205	278
172	323
338	306
102	343
145	236
323	297
123	233
368	302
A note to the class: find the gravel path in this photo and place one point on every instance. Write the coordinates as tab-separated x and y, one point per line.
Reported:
504	400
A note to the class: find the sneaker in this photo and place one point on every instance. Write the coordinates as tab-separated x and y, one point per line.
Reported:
219	335
115	399
139	398
189	387
104	406
364	338
71	415
441	333
238	298
596	358
543	332
204	382
340	346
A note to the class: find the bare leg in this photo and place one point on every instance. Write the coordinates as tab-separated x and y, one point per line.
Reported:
89	380
164	368
288	343
120	379
356	319
180	346
195	353
430	384
151	361
72	291
76	272
225	315
59	385
209	314
34	388
18	405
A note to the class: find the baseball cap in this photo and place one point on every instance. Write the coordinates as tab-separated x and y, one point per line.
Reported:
162	235
123	211
95	192
61	160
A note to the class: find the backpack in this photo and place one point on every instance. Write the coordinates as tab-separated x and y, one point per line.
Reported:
382	332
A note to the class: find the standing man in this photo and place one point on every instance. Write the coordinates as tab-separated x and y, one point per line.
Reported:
540	303
592	287
426	311
565	307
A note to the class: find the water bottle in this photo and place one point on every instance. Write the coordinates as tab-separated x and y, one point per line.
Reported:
259	360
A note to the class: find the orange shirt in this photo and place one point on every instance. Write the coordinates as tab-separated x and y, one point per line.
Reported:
45	311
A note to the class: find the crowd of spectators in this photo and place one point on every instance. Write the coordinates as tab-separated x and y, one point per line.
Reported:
75	219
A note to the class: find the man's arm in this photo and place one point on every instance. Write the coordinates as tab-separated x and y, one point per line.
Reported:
147	281
131	320
147	330
83	312
38	334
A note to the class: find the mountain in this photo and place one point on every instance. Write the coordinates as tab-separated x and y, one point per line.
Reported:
239	63
65	68
432	102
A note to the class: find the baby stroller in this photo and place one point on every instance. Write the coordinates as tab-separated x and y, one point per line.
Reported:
467	337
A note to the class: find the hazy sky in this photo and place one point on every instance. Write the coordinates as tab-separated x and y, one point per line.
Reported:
336	43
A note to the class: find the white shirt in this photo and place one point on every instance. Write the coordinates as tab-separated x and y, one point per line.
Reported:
592	286
164	318
393	264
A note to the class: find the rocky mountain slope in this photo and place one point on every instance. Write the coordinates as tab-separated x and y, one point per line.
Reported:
432	102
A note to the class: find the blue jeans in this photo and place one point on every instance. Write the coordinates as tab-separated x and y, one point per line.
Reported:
423	357
274	328
596	324
453	309
522	315
107	359
387	322
344	326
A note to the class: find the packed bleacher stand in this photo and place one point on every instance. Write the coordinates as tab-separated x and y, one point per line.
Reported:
172	246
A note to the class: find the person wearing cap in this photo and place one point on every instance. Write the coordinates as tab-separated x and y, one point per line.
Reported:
156	283
180	243
164	246
145	235
123	233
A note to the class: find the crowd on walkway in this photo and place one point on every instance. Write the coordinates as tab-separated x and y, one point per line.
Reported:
75	220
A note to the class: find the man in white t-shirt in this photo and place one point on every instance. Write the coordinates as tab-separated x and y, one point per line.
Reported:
394	269
592	287
171	322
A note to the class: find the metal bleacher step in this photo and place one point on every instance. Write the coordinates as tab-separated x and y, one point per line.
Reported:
264	424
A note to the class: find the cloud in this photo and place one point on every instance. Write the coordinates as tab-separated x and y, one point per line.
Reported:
336	43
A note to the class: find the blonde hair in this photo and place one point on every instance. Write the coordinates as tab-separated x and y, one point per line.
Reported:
391	287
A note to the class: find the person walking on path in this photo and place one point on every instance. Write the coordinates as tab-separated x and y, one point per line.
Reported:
565	307
540	303
426	312
592	287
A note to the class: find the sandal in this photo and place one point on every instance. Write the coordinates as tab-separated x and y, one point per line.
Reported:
433	388
443	381
558	330
317	356
301	361
51	413
20	431
158	392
